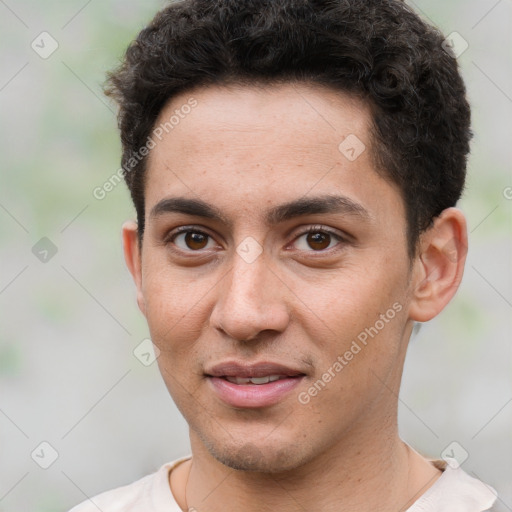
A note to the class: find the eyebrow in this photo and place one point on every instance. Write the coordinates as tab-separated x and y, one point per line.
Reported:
300	207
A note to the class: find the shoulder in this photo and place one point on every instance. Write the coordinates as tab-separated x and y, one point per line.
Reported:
149	493
455	491
116	500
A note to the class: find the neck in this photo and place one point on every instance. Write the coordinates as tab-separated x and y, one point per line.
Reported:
356	474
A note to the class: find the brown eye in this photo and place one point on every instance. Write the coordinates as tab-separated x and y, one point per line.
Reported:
318	239
191	240
195	240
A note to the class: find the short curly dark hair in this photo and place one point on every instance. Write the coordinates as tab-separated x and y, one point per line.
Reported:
378	50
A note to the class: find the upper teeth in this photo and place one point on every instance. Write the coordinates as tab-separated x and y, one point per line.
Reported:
254	380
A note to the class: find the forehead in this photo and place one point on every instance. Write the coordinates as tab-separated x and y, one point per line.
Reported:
248	147
299	109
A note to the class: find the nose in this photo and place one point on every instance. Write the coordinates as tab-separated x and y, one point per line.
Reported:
251	299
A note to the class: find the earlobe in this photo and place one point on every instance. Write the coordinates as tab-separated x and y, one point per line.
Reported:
133	259
439	266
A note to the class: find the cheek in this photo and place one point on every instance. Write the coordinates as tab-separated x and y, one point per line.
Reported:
173	310
164	288
360	318
362	351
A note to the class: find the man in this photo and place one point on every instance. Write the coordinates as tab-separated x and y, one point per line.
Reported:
294	166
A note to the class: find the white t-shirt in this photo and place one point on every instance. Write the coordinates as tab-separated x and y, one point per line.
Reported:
453	491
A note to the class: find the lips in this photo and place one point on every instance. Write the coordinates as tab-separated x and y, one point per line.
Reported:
262	369
256	385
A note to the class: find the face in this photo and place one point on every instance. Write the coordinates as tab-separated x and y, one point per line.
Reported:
274	251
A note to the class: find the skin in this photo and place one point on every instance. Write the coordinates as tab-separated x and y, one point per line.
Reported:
244	150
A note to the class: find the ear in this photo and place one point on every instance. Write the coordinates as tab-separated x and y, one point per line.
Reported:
133	259
439	265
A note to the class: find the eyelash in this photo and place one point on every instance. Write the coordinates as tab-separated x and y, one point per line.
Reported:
311	229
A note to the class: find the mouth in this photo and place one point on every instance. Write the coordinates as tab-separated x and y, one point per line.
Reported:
252	386
254	380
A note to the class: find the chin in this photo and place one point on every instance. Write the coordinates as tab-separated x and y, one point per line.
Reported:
262	457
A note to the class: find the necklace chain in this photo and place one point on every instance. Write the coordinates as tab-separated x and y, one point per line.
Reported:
186	487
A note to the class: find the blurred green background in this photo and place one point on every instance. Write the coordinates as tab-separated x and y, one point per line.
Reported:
69	321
